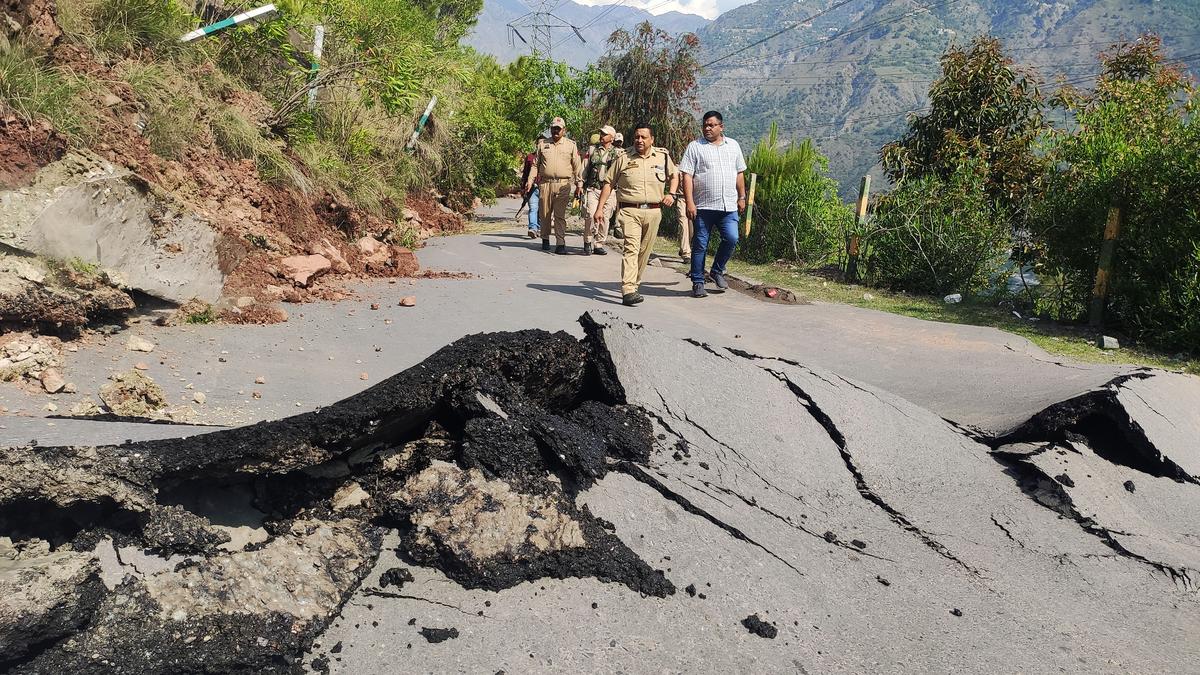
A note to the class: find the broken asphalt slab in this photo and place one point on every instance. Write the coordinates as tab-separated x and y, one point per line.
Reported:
531	484
820	505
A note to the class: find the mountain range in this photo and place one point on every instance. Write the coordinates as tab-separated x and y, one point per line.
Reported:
491	34
848	74
850	77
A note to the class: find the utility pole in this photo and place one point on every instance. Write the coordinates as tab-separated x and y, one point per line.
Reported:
536	29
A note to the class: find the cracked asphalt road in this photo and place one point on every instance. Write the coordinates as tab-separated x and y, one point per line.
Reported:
975	376
874	535
808	469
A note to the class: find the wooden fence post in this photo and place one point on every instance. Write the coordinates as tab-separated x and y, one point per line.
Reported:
1112	228
750	205
852	246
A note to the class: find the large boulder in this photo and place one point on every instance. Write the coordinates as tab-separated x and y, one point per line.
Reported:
83	207
302	269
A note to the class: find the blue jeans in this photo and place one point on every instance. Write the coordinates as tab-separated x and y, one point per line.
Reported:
706	220
533	210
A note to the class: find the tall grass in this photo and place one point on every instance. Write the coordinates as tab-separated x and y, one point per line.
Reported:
173	106
240	139
133	25
34	89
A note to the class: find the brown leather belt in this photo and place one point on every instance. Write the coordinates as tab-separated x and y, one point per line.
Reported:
634	205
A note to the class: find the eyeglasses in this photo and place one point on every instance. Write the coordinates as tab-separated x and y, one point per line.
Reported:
555	128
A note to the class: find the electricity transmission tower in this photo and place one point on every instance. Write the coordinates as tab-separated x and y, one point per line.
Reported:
539	25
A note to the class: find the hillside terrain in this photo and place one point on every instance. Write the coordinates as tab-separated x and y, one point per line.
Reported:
849	78
597	22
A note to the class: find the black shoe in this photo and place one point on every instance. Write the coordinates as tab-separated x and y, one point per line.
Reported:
631	299
719	280
561	249
545	244
587	248
698	291
600	250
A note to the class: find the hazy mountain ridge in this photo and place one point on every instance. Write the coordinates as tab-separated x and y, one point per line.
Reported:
851	92
491	35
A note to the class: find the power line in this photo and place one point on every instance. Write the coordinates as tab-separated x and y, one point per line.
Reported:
924	9
836	5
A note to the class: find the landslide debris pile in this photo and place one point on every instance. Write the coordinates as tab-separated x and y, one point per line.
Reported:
113	559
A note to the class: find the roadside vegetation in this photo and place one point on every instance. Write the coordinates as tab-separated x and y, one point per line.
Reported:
985	189
1003	178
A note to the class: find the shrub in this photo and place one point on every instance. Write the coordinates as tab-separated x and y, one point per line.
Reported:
797	213
934	235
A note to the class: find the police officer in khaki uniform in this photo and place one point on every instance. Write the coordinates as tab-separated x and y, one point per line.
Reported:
557	173
599	161
640	176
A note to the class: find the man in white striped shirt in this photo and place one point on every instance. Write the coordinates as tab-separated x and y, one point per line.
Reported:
714	190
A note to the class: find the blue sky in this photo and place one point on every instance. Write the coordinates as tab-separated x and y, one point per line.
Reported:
708	9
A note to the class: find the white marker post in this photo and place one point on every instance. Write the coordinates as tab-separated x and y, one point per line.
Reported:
318	46
228	23
412	142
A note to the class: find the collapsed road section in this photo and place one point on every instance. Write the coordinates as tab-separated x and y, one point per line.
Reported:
616	467
475	455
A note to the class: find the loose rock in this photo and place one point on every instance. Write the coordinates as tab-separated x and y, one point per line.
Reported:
137	343
52	382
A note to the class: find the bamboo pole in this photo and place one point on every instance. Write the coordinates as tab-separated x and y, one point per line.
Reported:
1104	270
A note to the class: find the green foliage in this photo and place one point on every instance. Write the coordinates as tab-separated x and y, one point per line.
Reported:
404	235
83	267
937	235
202	316
985	112
797	214
35	90
258	241
558	90
653	79
1135	145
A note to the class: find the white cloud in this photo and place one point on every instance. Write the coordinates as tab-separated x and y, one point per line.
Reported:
706	8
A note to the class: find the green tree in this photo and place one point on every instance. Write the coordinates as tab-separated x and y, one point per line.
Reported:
982	109
558	90
653	78
1135	145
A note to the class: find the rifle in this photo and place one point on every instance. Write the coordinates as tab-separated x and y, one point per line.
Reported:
524	203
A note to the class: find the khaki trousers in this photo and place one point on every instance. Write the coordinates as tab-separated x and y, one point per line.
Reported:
599	233
686	228
641	229
555	194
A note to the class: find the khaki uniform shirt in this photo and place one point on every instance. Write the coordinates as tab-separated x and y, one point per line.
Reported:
641	180
558	161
